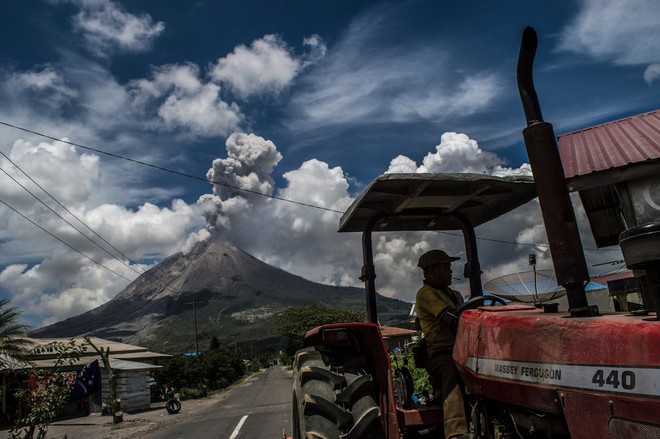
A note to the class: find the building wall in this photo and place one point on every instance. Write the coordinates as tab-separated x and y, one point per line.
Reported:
599	297
132	389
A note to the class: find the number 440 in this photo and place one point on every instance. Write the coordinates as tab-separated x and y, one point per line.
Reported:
615	379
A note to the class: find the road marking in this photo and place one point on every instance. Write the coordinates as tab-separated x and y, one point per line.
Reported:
238	427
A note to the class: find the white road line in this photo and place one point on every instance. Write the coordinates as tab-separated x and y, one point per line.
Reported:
238	427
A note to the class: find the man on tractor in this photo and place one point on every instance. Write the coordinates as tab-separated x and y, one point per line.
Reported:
435	304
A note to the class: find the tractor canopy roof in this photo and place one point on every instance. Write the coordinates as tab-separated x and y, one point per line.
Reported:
433	201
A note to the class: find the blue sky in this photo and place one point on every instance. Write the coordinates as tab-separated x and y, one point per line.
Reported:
302	100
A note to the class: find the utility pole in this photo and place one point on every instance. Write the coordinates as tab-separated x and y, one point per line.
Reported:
194	304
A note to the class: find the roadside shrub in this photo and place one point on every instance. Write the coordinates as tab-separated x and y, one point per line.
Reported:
420	377
295	322
192	393
212	370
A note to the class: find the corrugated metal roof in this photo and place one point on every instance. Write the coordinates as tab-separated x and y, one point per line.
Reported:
391	331
132	365
114	346
141	356
118	364
625	274
611	145
118	352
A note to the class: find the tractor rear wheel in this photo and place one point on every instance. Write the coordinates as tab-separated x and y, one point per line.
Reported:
333	401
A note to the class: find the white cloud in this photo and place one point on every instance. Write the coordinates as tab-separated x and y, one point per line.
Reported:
363	79
317	50
67	174
652	73
47	80
56	273
65	282
267	66
183	102
317	184
402	164
455	153
161	230
107	27
472	94
63	285
623	31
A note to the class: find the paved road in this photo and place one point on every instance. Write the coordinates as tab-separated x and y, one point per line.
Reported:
260	408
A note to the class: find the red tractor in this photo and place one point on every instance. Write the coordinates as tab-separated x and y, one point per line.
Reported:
529	372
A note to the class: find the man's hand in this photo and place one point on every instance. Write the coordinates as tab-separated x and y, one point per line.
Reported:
450	319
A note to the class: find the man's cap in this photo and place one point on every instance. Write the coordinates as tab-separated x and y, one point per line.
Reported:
434	257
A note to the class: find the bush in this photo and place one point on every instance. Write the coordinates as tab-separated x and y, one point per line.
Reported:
212	370
420	376
192	393
295	322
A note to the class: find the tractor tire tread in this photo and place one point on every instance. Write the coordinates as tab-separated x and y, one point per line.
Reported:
314	372
364	425
334	398
358	388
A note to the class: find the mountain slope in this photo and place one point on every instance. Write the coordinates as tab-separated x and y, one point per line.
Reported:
235	296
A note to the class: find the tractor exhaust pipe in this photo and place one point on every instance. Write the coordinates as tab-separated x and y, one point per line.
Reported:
556	208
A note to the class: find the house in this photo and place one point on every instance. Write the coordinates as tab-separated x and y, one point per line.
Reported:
396	337
624	288
614	167
132	365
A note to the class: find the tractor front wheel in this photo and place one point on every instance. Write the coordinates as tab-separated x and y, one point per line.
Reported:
333	400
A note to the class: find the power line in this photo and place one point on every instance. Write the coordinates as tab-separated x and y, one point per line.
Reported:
501	241
158	281
172	171
66	221
194	177
65	243
61	205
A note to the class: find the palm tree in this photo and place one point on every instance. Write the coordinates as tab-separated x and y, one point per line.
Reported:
14	343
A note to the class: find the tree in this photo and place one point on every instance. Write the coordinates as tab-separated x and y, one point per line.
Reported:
295	322
211	370
13	342
115	402
13	335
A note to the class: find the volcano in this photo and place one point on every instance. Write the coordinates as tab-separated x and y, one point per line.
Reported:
229	294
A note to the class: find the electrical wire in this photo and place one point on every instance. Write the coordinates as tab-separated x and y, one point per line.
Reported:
158	281
500	241
64	242
172	171
122	254
183	174
71	225
131	267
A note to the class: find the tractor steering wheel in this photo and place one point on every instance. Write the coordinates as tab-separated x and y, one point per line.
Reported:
477	301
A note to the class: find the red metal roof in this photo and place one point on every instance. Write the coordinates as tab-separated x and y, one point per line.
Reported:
611	145
391	331
603	279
